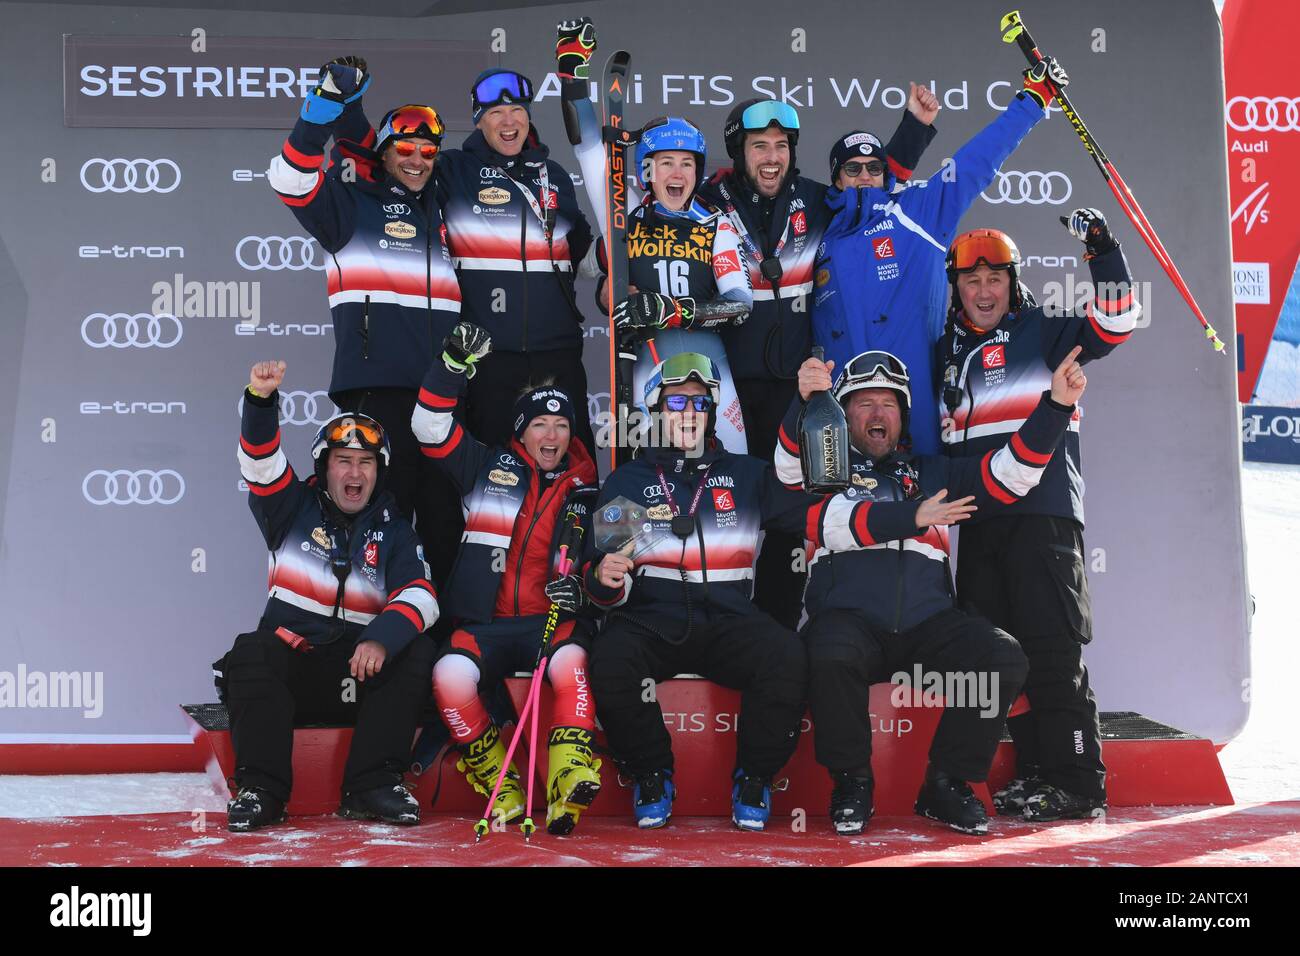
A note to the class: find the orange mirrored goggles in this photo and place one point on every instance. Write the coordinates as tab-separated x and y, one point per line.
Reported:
413	120
355	430
988	247
405	147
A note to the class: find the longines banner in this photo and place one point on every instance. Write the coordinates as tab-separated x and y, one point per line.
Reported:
145	264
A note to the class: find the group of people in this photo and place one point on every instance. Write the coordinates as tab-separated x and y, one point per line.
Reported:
458	365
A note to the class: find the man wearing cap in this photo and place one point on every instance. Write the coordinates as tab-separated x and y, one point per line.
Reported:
521	500
393	293
342	638
780	218
878	279
879	596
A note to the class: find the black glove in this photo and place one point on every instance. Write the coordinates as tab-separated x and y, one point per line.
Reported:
1044	78
1088	225
566	593
653	310
342	80
465	345
575	43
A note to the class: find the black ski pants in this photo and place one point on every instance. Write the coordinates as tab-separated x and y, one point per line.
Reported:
750	653
1025	573
847	655
272	688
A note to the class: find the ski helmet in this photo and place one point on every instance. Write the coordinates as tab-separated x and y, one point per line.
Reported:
754	116
410	122
665	133
876	369
988	247
351	430
683	367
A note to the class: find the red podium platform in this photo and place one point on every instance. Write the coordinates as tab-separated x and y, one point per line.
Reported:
1148	764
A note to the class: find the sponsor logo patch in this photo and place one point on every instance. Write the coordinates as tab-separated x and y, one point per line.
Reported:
659	513
400	230
799	222
722	500
499	476
724	263
372	554
494	196
995	356
823	276
320	537
883	247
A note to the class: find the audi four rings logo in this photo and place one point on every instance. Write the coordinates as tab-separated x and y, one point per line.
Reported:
1264	114
303	408
275	253
100	330
130	175
121	487
1032	187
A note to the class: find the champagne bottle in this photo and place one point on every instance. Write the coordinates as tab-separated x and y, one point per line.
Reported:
823	442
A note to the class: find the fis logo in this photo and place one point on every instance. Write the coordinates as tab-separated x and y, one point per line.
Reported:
1252	208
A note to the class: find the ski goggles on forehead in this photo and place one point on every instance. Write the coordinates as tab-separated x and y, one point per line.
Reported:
366	432
970	252
869	364
762	115
413	121
502	88
677	403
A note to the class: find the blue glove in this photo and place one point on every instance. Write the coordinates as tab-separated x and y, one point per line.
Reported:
342	81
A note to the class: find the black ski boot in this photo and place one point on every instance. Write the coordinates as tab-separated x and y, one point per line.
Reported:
253	809
1010	800
951	801
851	802
391	803
1048	803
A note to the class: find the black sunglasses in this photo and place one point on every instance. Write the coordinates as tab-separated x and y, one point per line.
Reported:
874	168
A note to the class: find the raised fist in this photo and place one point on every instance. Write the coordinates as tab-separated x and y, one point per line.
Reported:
1044	78
1088	225
265	377
465	345
575	43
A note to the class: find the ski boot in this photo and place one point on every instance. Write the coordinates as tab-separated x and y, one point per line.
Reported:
252	809
573	780
390	803
1049	803
951	801
1010	800
652	799
851	802
751	801
480	762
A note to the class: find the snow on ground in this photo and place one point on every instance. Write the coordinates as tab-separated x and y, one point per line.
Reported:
104	794
1262	764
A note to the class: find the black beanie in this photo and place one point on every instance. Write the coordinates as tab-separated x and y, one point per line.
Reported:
546	400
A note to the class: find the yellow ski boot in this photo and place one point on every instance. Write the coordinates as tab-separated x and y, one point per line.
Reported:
480	762
573	780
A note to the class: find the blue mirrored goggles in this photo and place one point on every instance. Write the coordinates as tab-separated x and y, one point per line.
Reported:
762	115
502	88
677	403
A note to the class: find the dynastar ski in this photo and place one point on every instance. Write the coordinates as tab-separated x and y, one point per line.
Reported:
622	354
